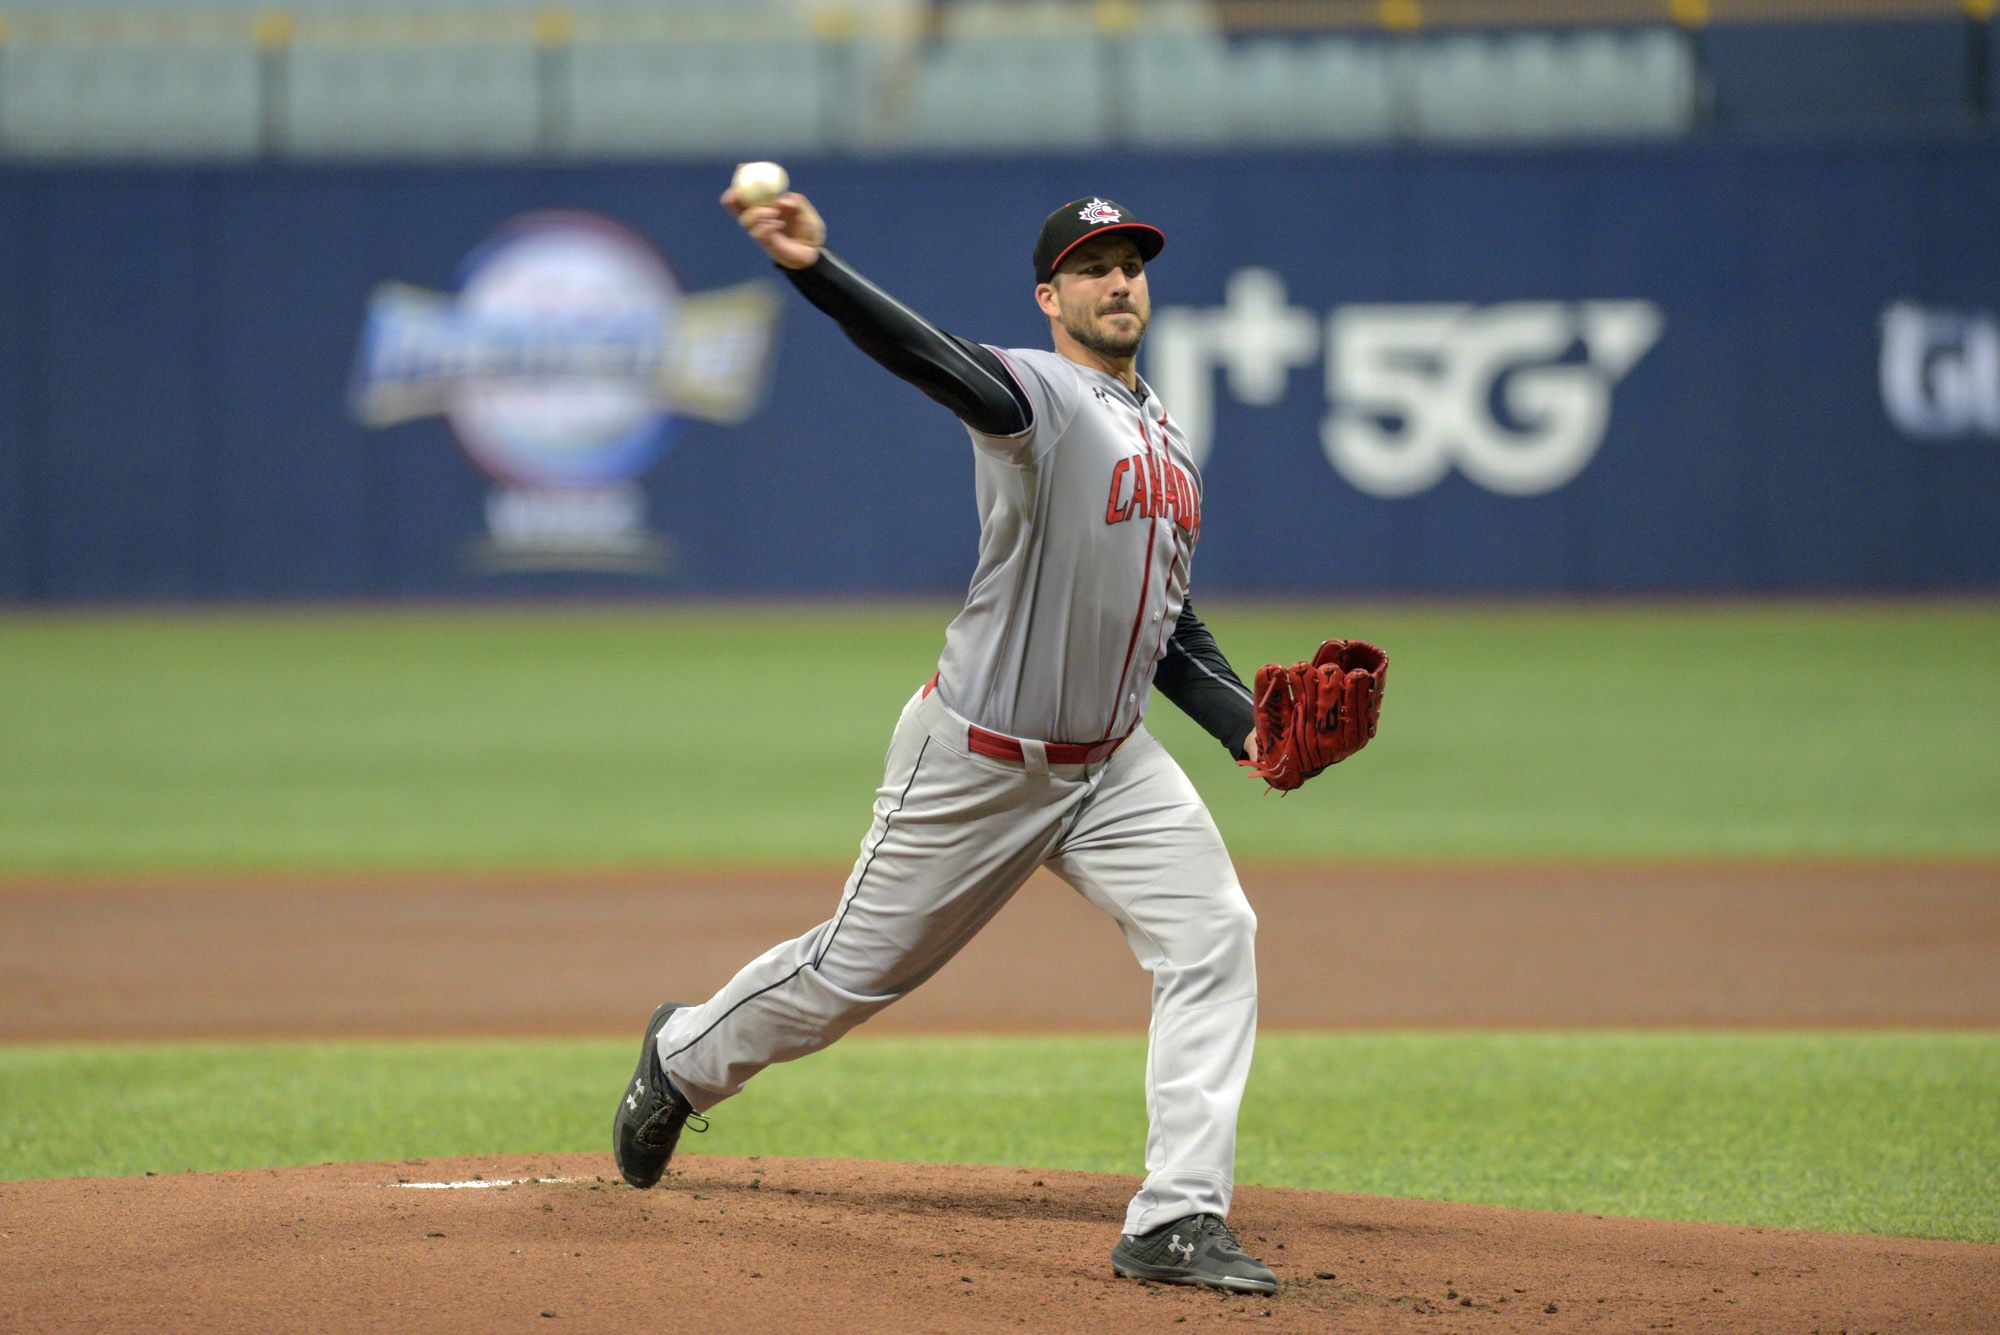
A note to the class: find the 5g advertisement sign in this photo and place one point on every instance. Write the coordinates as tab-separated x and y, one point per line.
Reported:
1514	399
1516	396
1666	370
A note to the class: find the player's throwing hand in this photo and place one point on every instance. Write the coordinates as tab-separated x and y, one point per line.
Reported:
789	228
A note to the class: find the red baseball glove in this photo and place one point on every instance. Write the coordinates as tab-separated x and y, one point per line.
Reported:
1318	712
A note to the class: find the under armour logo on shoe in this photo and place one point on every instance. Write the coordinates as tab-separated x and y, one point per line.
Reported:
1186	1249
632	1099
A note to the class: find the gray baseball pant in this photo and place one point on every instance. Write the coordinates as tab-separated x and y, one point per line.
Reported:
954	835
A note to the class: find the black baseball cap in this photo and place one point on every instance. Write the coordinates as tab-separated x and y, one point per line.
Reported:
1081	219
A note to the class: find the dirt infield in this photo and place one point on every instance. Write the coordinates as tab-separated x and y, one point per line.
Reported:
1360	947
812	1246
815	1246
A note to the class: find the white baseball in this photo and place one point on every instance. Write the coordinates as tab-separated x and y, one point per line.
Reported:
760	182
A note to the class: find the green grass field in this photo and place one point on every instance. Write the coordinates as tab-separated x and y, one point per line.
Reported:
644	736
515	738
1876	1133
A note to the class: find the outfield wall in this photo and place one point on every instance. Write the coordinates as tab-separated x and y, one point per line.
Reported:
1686	367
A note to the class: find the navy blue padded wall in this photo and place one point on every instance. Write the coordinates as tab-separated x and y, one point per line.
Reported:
175	348
19	457
1899	73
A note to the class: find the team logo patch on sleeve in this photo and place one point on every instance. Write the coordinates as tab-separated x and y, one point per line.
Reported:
1099	211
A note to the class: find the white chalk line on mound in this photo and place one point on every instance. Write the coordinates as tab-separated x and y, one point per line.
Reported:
479	1183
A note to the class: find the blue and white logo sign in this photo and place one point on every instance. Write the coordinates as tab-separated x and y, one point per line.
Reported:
563	366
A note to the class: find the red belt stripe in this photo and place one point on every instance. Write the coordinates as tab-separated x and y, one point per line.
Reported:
1002	747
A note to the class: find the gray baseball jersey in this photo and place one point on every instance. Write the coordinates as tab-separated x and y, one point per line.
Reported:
1087	522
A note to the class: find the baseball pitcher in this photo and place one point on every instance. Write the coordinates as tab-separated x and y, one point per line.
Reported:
1028	747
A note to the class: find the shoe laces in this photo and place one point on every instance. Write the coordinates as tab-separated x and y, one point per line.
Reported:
654	1131
1213	1226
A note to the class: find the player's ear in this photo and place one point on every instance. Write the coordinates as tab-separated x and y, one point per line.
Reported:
1045	297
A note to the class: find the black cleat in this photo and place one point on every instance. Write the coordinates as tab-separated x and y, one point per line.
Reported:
650	1116
1197	1250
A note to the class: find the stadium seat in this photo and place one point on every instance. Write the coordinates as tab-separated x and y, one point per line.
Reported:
1191	88
123	100
1180	88
698	97
1011	18
1640	82
1313	91
1455	92
1010	92
687	76
418	100
1548	85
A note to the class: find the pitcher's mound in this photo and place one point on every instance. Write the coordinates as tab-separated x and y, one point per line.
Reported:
551	1243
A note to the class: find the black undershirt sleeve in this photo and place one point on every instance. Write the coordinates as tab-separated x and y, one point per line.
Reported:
962	375
1197	678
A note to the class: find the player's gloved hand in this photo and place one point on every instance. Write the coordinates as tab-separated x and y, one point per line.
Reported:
1317	712
789	228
